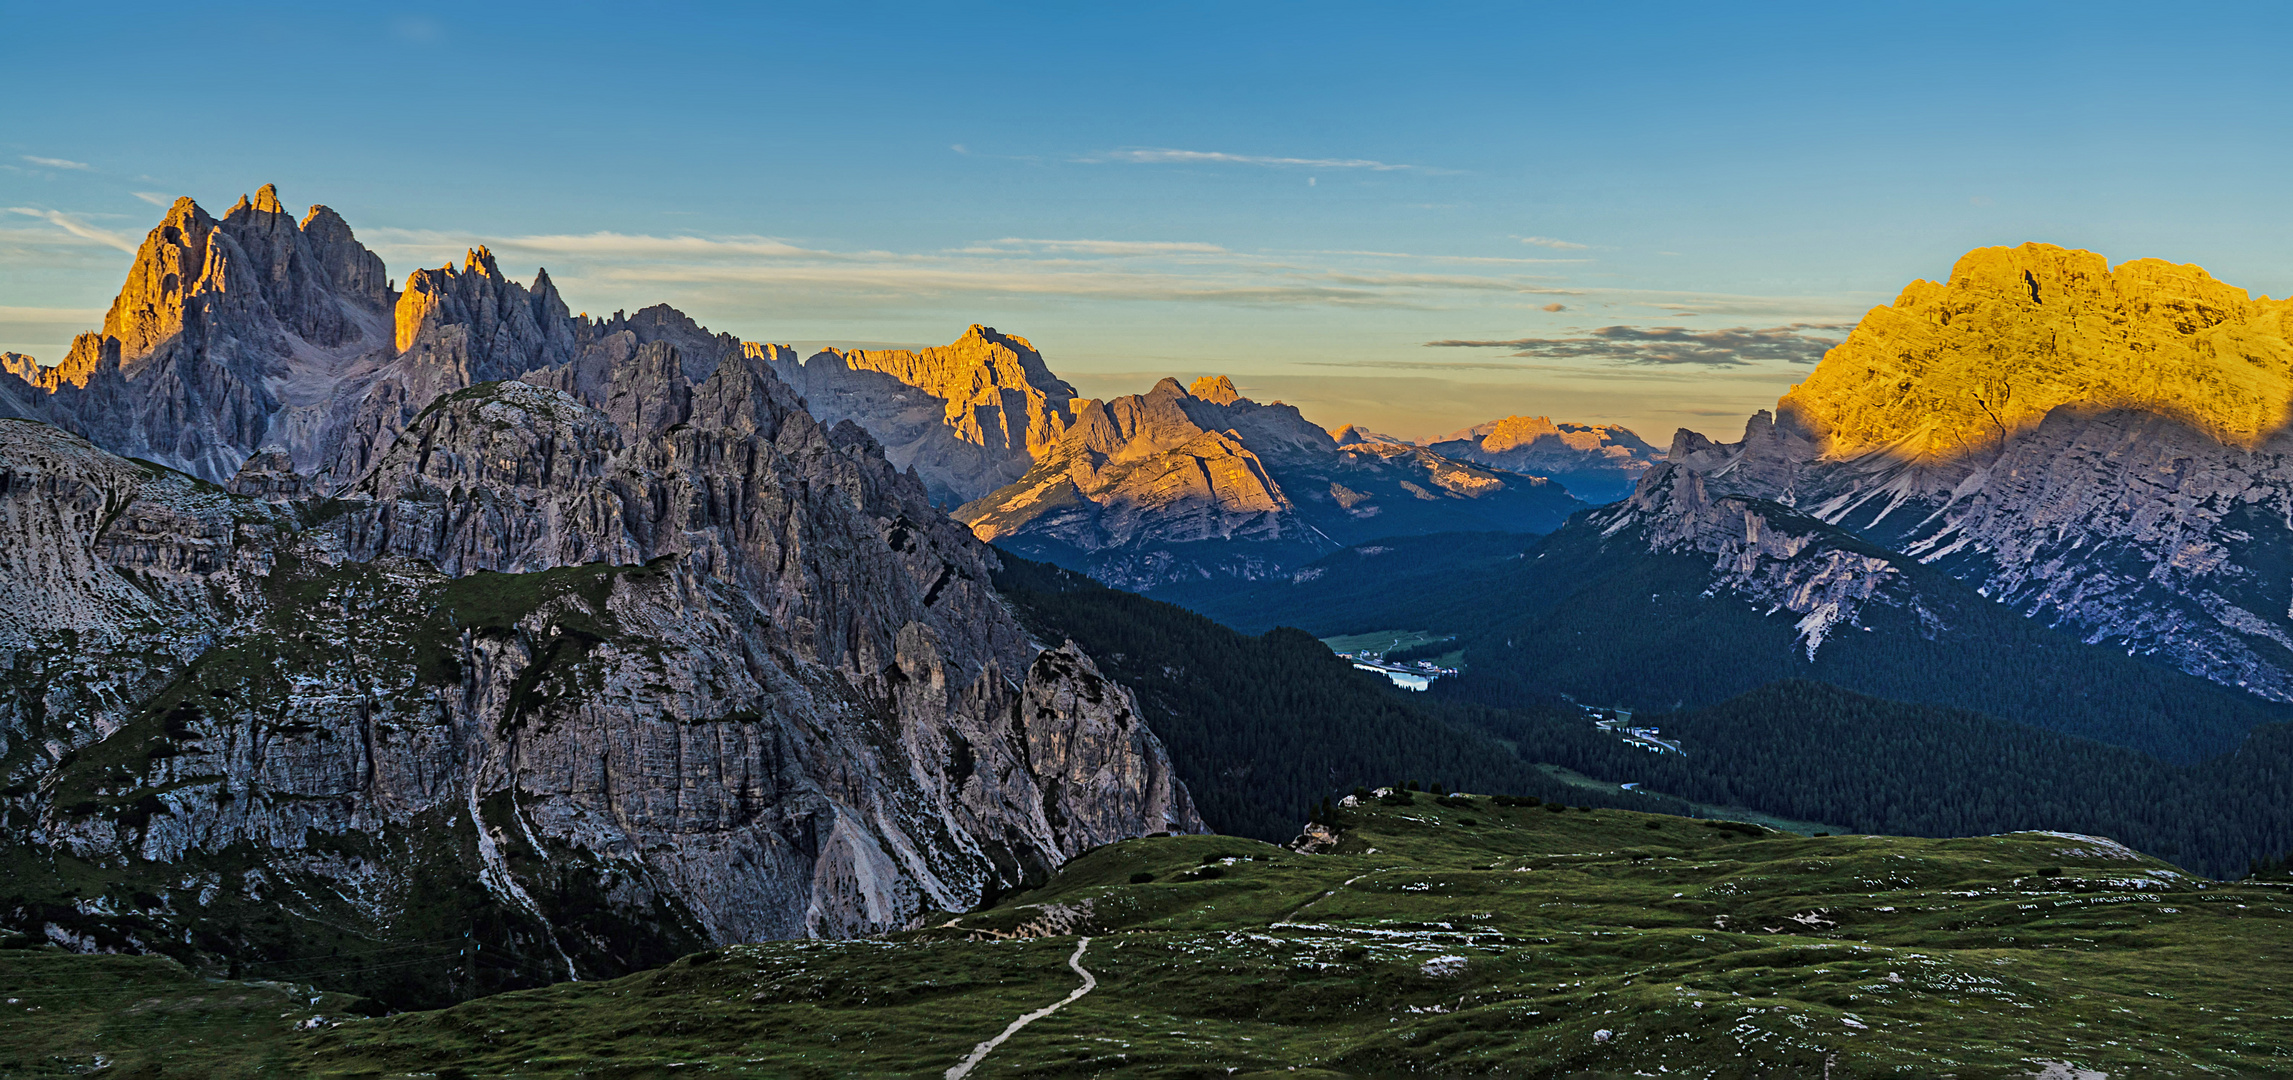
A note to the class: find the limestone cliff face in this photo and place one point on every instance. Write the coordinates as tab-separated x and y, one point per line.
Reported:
1598	463
969	417
1176	485
524	624
2102	449
1953	367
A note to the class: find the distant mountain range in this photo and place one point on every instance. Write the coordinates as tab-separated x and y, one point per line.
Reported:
1187	484
1183	485
1598	463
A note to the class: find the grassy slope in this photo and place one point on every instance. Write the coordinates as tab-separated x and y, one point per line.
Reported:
1706	951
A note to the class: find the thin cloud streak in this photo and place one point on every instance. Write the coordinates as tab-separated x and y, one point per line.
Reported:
77	227
1083	268
1549	242
1161	156
59	163
1452	258
894	281
1112	247
1671	346
656	247
1159	270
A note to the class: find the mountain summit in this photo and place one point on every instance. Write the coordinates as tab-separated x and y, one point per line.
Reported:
1951	368
969	417
2103	449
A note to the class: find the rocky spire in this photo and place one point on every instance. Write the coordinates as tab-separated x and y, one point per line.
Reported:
149	307
356	273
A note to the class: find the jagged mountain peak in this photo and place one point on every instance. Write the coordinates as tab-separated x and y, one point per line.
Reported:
2103	448
1355	434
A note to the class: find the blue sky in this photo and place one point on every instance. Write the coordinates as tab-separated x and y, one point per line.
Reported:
1299	195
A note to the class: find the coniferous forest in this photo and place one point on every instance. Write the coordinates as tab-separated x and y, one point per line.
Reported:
1263	728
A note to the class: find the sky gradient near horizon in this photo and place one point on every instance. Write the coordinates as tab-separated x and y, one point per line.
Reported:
1405	217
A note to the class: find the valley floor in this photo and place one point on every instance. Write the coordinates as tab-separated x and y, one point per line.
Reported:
1450	937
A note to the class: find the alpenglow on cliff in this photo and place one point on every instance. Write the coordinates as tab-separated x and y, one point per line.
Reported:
438	612
2100	448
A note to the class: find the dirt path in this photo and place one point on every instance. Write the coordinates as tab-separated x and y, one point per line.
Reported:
979	1053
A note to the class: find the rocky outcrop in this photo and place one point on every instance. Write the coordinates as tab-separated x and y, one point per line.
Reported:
1761	553
2101	449
1598	463
558	646
1179	485
969	417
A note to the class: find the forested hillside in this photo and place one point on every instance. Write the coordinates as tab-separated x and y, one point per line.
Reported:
1603	619
1384	584
1607	620
1262	729
1806	750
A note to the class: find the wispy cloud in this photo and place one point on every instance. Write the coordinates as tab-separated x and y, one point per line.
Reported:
1670	346
155	198
77	227
1162	156
738	270
1549	242
1112	247
59	163
1089	268
1452	258
656	247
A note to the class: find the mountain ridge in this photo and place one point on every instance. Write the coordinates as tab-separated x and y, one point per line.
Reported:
969	416
1175	485
580	638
